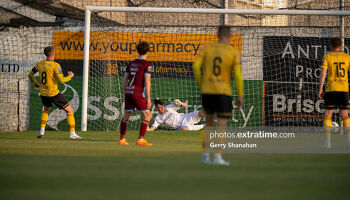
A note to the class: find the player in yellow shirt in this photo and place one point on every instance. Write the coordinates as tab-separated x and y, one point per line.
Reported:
50	74
336	64
219	60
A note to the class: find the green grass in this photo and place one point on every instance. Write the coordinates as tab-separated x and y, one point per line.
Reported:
98	168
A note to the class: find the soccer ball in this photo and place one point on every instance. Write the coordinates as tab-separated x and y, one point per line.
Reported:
177	102
335	126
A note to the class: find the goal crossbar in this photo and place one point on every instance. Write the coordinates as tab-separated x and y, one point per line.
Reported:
219	11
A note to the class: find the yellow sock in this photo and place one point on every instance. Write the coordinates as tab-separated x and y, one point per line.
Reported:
44	118
346	124
327	124
71	122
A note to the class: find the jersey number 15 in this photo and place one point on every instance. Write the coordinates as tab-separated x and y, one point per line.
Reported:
340	69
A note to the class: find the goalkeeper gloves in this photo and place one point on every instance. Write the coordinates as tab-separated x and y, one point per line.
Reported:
177	102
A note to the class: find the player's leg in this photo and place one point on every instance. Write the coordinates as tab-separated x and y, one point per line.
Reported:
209	126
71	123
44	119
200	115
141	105
61	102
329	105
327	124
44	115
344	111
224	112
346	124
221	127
129	107
147	116
192	127
123	127
190	119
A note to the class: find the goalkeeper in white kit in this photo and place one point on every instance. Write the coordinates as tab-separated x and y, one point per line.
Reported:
168	116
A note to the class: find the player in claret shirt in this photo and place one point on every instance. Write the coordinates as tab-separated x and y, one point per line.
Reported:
136	81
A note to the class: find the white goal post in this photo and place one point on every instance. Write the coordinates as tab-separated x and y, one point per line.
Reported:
89	9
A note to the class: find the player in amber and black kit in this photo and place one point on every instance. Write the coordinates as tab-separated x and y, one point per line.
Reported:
219	60
337	65
136	81
50	73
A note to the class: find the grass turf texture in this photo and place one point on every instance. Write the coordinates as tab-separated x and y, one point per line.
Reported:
98	168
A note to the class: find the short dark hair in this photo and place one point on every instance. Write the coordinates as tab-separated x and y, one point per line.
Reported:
224	31
336	42
48	51
142	48
157	101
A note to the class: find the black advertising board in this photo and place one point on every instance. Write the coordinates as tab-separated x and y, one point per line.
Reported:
291	70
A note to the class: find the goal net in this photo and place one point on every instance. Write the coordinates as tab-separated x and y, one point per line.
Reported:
280	54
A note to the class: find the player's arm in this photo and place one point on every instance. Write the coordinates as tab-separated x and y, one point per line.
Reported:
321	83
148	89
322	78
125	81
59	75
152	128
180	104
237	74
154	125
197	68
32	79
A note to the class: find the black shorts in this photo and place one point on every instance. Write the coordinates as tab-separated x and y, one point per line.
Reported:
219	104
59	100
334	100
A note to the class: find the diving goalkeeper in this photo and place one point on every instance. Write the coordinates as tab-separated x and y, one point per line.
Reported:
168	116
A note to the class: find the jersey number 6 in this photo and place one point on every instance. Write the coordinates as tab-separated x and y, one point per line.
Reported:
216	66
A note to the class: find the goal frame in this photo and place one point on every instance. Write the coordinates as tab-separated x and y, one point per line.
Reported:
89	9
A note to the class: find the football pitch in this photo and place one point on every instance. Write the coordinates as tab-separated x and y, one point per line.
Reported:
98	168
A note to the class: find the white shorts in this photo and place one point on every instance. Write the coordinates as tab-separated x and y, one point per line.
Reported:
190	119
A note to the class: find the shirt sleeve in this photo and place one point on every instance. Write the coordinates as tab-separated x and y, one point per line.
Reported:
156	122
197	68
31	75
59	74
325	63
172	106
149	70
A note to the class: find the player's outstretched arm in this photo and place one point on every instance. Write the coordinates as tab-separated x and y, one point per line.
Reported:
152	128
61	78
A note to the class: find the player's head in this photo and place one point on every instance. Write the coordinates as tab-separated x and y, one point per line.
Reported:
224	34
159	105
143	48
49	51
336	43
